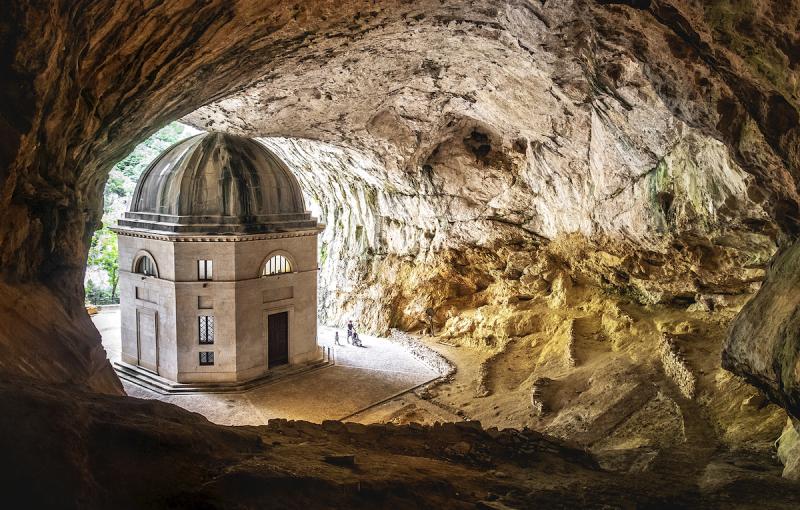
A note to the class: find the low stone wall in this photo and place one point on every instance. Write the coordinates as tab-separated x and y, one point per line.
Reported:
425	354
675	366
482	388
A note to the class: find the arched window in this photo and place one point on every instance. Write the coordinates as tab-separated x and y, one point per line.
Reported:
146	266
277	264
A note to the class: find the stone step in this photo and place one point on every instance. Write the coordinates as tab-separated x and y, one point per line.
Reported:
153	382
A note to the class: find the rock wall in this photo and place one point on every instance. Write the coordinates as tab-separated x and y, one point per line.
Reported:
789	449
764	344
381	243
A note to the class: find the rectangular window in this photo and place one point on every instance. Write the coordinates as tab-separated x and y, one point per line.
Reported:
206	358
206	329
204	270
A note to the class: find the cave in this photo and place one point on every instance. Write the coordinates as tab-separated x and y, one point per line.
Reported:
586	209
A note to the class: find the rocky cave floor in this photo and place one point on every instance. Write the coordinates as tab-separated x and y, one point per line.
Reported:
122	456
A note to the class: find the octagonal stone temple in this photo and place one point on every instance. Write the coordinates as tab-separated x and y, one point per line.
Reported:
218	267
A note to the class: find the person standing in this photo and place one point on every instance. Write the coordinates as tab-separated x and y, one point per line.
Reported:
350	331
336	338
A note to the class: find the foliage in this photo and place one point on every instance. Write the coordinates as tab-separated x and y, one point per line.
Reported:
98	295
115	185
323	253
144	153
104	254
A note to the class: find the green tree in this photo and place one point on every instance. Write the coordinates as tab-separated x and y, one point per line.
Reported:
116	185
91	292
104	254
144	153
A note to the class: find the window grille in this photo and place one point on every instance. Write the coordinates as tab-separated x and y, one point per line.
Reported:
206	330
204	269
206	358
277	265
146	266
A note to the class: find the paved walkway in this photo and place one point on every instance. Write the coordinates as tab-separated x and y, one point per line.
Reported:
361	377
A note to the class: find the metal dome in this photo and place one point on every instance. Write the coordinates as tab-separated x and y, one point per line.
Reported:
217	183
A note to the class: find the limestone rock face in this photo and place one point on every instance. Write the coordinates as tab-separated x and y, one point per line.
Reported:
511	138
789	449
764	342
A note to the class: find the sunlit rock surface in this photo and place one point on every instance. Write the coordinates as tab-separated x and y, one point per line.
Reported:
374	231
789	449
764	342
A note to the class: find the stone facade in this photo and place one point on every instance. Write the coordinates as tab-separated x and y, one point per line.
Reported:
191	327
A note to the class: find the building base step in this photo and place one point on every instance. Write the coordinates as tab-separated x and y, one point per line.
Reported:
153	382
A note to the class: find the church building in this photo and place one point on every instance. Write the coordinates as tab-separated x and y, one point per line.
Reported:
218	265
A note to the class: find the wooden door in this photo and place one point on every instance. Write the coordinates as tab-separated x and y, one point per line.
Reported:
278	338
147	337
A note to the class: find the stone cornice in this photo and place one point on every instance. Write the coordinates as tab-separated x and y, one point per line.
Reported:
197	238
